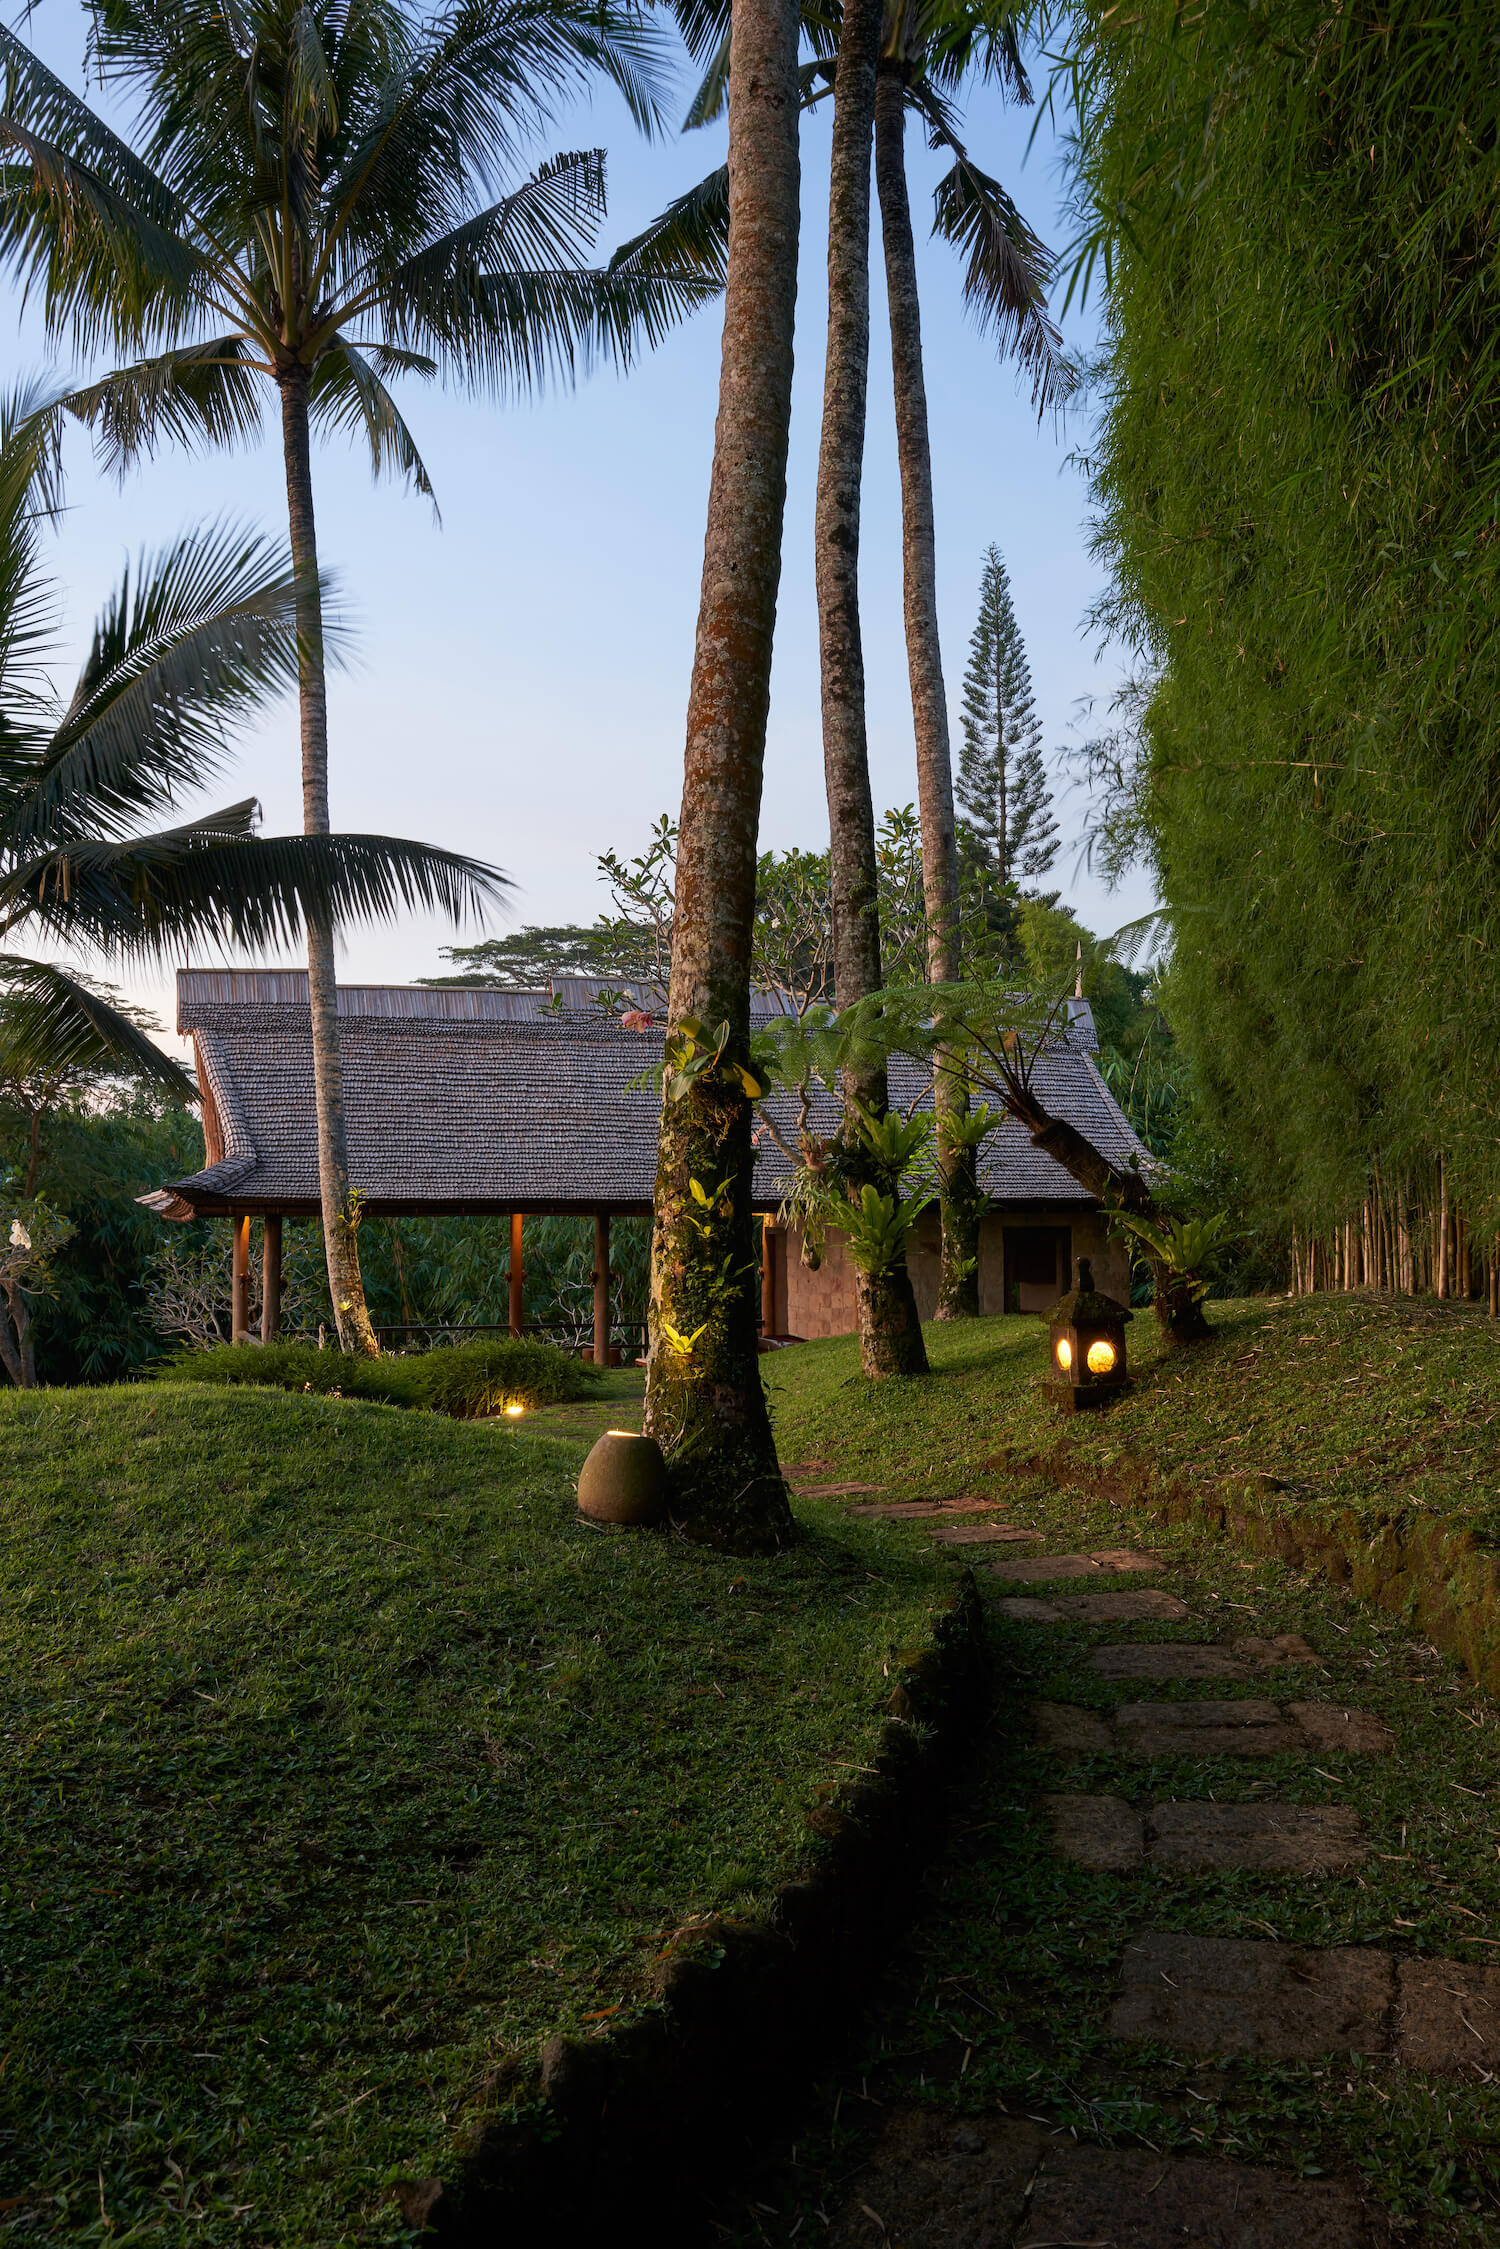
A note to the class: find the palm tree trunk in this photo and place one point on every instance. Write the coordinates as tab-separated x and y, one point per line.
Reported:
958	1191
704	1401
339	1201
890	1334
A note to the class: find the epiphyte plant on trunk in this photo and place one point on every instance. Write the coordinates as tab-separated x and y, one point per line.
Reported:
195	642
704	1401
998	1037
314	212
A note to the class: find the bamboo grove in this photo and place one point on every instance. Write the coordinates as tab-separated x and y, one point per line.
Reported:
1292	207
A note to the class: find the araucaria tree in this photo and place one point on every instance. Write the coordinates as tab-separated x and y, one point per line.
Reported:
704	1401
314	210
1003	792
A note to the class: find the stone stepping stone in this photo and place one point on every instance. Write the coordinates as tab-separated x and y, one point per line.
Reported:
1091	1608
1282	2002
979	1534
1277	2002
1110	1836
1037	1569
1211	1729
1117	2198
908	1510
940	2181
1246	1659
1448	2017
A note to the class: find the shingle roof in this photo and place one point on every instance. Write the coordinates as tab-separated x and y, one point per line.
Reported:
459	1101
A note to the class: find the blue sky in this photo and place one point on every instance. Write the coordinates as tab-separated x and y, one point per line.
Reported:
522	669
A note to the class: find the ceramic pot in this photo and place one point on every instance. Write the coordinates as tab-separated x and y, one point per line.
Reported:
624	1480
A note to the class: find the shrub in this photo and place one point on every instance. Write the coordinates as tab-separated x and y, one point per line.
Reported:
470	1380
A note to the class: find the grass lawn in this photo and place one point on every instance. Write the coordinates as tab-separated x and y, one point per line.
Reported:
1386	1407
343	1762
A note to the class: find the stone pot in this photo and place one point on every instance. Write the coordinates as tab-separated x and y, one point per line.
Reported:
624	1480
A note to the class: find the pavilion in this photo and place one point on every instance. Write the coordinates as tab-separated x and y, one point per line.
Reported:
463	1101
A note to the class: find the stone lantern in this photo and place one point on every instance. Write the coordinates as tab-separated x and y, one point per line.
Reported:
1088	1345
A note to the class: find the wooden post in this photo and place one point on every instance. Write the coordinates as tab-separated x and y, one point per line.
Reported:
768	1277
270	1279
516	1275
601	1288
239	1293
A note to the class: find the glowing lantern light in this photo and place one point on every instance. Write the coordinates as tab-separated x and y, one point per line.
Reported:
515	1409
1088	1345
624	1481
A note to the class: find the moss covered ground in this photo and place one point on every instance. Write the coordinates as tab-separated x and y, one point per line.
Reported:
342	1762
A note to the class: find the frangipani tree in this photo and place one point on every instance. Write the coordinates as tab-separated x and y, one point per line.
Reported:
325	197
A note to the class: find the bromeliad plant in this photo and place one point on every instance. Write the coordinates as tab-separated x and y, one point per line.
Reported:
1183	1246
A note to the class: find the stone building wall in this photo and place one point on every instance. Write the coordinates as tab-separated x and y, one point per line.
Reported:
818	1303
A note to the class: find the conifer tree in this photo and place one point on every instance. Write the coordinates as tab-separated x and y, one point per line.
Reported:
1002	782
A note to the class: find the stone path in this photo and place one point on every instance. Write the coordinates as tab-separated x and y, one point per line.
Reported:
1188	1973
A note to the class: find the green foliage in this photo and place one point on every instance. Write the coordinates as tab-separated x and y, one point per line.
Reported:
1184	1245
343	1762
878	1228
94	1156
897	1143
468	1380
1296	477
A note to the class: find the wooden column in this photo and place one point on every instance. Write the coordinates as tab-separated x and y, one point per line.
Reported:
239	1293
270	1280
601	1288
768	1276
516	1275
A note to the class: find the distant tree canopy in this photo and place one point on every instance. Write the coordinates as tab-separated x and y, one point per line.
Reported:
1297	478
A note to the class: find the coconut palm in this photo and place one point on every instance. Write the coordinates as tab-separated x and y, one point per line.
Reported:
192	643
928	49
314	210
704	1400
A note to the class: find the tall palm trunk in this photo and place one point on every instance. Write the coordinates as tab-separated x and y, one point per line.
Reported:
704	1401
959	1197
890	1334
340	1207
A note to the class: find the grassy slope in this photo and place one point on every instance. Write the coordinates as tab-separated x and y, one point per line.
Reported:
343	1760
1388	1408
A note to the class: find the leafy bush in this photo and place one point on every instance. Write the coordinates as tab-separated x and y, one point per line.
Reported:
468	1381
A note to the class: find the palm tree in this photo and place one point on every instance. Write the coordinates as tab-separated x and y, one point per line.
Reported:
193	642
704	1401
927	49
313	213
890	1333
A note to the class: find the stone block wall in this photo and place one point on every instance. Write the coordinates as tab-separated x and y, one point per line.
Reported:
818	1303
